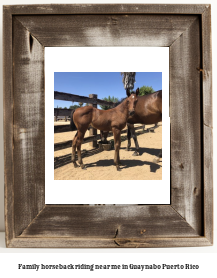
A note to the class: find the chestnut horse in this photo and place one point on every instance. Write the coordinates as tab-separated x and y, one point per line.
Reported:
114	119
148	111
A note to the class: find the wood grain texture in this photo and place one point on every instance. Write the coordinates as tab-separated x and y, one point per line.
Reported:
208	182
8	125
106	9
185	113
186	30
34	242
29	141
207	122
107	30
206	67
109	222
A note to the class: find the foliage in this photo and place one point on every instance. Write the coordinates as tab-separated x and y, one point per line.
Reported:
110	99
145	90
74	107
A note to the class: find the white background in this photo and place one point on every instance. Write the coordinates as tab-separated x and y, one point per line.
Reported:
205	256
109	59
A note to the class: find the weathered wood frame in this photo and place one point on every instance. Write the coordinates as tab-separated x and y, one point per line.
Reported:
186	30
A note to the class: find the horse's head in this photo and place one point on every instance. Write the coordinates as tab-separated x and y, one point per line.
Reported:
132	101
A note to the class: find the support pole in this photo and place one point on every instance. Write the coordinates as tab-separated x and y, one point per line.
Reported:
56	115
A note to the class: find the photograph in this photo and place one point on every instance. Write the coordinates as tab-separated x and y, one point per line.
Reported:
115	125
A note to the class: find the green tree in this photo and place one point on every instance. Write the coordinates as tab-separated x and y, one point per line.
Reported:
110	99
74	107
145	90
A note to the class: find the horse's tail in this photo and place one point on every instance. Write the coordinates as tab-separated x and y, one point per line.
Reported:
72	124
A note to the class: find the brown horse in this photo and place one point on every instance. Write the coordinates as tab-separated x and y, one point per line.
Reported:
148	111
114	119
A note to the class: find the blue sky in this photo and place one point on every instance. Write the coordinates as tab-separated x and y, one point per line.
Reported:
103	84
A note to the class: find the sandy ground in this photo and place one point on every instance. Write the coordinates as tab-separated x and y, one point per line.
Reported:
100	164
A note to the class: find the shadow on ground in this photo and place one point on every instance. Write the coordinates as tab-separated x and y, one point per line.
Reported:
66	159
125	164
154	152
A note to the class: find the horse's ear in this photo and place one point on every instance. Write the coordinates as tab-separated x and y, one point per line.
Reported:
128	92
137	91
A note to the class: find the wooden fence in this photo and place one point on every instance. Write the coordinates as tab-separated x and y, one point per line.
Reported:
91	100
68	144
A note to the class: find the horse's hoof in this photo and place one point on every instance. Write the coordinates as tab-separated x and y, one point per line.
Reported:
76	165
156	160
118	168
83	167
135	154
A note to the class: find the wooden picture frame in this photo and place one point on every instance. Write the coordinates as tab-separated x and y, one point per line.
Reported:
186	30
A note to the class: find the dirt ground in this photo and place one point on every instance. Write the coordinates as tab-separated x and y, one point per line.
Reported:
100	164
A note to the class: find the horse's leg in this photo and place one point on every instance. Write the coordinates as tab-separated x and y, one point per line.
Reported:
73	150
117	144
119	161
128	136
80	137
133	133
104	135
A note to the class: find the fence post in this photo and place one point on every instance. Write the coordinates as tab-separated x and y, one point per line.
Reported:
56	114
92	130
